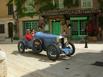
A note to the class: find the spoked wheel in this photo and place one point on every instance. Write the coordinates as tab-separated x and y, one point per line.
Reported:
21	47
37	48
53	52
71	47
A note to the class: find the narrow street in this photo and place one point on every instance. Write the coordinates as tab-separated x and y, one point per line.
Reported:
31	65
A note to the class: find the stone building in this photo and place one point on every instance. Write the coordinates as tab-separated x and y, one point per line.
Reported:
78	16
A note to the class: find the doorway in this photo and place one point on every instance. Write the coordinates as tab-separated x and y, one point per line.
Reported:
56	28
10	29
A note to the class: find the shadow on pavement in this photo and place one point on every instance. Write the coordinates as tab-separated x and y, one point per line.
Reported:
41	57
79	65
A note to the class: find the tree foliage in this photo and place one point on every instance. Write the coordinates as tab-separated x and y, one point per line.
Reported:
44	5
20	8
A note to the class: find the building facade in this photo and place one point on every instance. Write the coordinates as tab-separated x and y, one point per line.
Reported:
80	12
77	16
10	25
6	20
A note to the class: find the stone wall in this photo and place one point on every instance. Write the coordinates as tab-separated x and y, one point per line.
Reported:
92	39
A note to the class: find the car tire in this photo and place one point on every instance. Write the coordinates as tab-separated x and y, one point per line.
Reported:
21	47
53	52
71	45
37	48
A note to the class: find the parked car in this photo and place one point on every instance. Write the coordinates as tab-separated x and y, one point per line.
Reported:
54	45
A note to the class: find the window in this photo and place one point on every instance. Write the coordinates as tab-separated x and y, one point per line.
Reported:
86	3
32	24
1	28
71	3
61	5
74	27
83	27
57	3
10	9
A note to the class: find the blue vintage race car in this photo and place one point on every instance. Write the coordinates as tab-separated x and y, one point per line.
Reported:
54	45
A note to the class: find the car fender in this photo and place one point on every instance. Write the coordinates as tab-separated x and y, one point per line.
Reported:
55	46
23	41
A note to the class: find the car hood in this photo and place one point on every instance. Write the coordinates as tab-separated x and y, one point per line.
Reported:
46	35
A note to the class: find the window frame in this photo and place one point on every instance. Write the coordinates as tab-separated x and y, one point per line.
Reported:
10	9
2	28
61	5
86	3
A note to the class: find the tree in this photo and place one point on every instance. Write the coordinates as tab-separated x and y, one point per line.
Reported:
21	8
41	5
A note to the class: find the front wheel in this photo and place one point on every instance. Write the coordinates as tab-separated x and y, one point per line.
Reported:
53	52
21	47
71	47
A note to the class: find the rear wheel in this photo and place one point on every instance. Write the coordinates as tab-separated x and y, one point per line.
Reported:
53	52
37	47
21	47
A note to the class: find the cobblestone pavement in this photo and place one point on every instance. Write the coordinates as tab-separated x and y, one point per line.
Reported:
31	65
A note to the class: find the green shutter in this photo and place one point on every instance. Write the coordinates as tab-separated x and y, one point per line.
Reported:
56	28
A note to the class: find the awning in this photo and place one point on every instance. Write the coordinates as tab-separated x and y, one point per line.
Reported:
71	12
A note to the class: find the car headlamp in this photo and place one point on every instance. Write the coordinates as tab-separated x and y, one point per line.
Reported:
60	37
